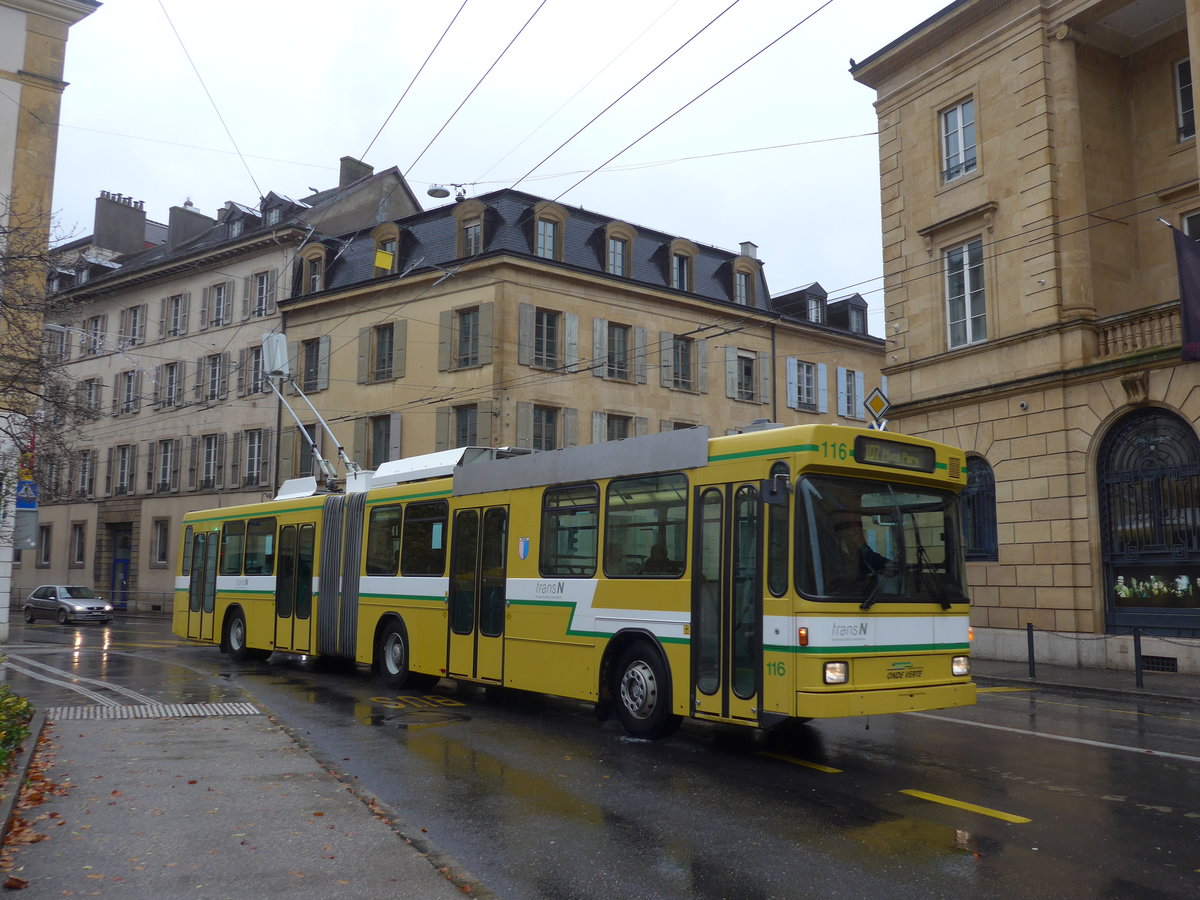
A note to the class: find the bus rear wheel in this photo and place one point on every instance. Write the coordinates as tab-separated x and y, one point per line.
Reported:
643	697
235	637
391	655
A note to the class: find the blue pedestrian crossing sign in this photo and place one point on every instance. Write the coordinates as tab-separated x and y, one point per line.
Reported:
27	494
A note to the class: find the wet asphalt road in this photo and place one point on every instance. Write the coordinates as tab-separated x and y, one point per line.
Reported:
1030	793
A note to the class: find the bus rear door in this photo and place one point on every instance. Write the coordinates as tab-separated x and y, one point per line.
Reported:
202	590
477	600
726	602
294	589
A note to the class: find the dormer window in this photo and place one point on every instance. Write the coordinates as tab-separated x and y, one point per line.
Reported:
618	244
236	227
273	215
550	220
312	275
682	261
387	242
469	214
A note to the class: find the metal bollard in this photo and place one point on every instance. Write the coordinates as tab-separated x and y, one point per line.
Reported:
1032	666
1137	655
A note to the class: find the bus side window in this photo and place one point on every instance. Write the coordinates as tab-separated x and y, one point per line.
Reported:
645	525
777	537
570	524
423	545
260	547
383	540
233	538
185	564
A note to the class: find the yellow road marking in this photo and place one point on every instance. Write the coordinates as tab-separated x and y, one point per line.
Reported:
802	762
970	807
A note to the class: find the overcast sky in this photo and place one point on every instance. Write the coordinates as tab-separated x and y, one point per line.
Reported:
174	100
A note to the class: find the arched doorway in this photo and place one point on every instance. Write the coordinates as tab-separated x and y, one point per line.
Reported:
1148	472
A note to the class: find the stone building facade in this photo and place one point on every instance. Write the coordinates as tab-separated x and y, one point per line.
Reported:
1028	150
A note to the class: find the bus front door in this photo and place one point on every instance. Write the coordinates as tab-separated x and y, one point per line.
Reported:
726	603
477	599
294	589
202	589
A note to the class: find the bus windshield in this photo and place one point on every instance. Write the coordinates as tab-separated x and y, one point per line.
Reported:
874	543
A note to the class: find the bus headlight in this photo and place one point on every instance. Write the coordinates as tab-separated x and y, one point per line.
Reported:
837	672
960	665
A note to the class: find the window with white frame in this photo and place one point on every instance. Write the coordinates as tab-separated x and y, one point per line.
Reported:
681	271
252	469
747	376
261	287
546	245
256	376
806	385
383	351
466	426
850	397
161	542
165	465
379	439
618	362
170	385
545	428
123	476
743	288
133	326
91	390
683	351
218	309
958	140
305	465
213	372
85	481
176	315
472	237
43	545
617	428
129	384
78	543
467	345
966	314
546	338
618	256
210	460
1185	114
94	339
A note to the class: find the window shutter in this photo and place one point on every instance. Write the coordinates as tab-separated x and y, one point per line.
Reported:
157	395
841	391
293	352
137	390
247	291
859	396
570	427
361	425
243	364
235	462
219	474
441	436
194	465
399	350
272	287
822	390
323	364
766	375
223	390
599	348
176	461
198	389
599	427
287	449
639	355
484	426
701	348
524	423
731	372
486	311
364	354
641	426
205	297
793	382
525	325
883	384
108	473
571	359
227	313
394	436
133	455
445	337
163	306
666	355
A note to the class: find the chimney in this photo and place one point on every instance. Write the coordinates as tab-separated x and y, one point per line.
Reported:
120	223
186	222
352	170
749	250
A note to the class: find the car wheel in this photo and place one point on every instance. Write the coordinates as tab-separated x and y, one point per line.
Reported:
235	637
29	617
63	618
106	621
643	698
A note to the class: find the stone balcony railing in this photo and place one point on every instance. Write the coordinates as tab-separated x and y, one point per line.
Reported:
1143	329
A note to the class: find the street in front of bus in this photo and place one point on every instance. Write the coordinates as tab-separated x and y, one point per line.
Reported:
1037	790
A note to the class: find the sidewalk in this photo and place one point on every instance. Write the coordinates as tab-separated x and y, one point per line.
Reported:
1156	685
213	806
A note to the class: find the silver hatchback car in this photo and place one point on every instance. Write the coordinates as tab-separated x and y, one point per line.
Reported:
67	603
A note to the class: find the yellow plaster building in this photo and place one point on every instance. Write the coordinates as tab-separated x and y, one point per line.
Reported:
1027	151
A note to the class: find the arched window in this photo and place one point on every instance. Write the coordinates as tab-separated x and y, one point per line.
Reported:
549	224
312	277
681	261
1148	474
979	511
618	248
387	246
471	238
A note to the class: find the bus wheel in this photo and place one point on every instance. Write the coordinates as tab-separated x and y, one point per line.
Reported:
391	655
235	637
643	704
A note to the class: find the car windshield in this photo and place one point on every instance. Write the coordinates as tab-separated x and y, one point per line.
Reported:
76	592
860	540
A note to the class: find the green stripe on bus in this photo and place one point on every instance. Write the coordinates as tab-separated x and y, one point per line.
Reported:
770	451
573	632
407	497
858	651
426	598
254	515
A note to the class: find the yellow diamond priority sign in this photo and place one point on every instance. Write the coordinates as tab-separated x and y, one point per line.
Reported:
877	404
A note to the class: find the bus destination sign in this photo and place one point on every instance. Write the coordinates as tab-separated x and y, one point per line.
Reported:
881	452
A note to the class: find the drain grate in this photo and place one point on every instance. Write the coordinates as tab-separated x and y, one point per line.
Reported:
1160	664
156	711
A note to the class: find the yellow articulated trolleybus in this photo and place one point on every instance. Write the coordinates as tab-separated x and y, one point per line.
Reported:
792	572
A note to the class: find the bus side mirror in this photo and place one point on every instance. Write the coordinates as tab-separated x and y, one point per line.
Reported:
774	491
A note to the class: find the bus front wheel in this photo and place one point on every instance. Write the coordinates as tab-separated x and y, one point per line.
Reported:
643	697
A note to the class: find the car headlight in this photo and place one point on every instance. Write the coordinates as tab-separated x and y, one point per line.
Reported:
837	672
78	607
108	607
960	665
